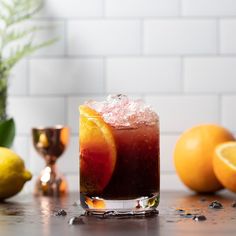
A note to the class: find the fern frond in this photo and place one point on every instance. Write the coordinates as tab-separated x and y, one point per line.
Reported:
25	50
13	36
23	10
8	7
15	12
3	17
17	55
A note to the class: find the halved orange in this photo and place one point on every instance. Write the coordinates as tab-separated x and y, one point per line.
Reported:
224	164
97	151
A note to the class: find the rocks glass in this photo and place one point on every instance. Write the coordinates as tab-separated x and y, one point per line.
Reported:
119	156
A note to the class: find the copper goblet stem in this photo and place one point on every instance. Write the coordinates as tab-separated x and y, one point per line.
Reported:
50	143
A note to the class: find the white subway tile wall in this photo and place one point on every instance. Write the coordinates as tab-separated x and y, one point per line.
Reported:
53	29
72	8
228	36
66	76
162	74
177	55
18	80
178	113
180	36
208	8
141	8
104	37
229	111
210	74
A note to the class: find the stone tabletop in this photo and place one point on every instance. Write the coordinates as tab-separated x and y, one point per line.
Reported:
28	215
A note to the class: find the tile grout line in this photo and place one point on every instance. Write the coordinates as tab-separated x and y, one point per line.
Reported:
28	78
29	142
66	38
220	103
179	15
218	40
105	89
156	55
66	112
103	8
148	94
142	38
180	9
182	77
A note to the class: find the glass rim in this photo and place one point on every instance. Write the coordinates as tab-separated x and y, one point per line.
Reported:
57	127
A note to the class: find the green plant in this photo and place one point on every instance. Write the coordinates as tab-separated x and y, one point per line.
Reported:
15	43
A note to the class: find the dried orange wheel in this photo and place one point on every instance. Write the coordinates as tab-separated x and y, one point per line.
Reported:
97	151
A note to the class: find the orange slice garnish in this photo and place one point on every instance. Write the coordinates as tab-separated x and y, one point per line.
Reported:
95	203
97	151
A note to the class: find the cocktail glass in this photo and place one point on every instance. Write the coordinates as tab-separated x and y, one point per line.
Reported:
50	143
119	156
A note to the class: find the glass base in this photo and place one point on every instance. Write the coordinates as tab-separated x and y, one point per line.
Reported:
138	206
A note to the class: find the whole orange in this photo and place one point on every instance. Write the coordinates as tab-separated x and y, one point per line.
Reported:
194	153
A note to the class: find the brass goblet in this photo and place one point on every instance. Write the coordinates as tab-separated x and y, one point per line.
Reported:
50	143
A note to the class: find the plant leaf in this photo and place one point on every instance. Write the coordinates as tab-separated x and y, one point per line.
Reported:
13	36
24	10
7	6
7	132
21	10
3	17
26	50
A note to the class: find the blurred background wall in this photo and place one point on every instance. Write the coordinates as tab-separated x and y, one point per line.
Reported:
178	55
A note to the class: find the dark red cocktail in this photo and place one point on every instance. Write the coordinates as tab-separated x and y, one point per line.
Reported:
119	156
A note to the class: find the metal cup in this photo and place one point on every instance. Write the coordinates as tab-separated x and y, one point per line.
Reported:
50	143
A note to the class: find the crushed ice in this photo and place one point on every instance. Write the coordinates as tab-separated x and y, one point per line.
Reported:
120	111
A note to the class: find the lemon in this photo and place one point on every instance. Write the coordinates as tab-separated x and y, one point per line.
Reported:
13	174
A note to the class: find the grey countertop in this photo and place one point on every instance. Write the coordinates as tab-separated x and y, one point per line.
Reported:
27	215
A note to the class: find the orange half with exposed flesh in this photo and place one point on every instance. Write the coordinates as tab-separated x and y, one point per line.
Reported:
224	164
97	151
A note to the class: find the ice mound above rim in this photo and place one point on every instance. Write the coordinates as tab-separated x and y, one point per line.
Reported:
120	111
